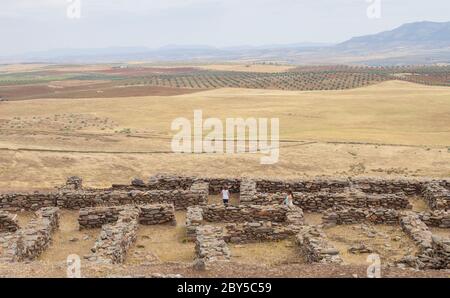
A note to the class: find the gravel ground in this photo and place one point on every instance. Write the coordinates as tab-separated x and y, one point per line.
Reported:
229	270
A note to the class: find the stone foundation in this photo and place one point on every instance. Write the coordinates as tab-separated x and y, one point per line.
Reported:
27	201
210	247
157	214
251	223
350	215
249	232
116	239
434	251
243	213
314	246
440	253
321	201
248	193
30	242
438	218
417	230
194	219
171	182
437	196
8	222
96	217
181	199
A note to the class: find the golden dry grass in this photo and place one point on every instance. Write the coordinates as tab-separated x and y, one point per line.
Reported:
389	242
268	253
68	240
162	243
317	127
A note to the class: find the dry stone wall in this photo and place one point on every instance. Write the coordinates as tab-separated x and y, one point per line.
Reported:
170	182
417	230
309	186
249	223
310	194
157	214
74	197
210	247
27	201
321	201
194	219
375	185
434	251
216	184
249	232
248	193
8	222
116	239
437	196
440	253
30	242
314	246
181	199
438	218
350	215
74	182
244	213
96	217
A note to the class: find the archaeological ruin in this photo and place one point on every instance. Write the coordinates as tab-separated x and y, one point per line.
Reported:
259	216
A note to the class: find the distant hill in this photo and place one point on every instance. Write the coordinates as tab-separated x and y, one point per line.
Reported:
421	34
413	43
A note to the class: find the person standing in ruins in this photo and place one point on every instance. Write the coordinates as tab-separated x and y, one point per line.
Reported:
225	195
289	200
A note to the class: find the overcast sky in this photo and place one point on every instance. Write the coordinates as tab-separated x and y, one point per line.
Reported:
36	25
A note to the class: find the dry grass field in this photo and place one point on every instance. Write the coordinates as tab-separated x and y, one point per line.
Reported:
393	128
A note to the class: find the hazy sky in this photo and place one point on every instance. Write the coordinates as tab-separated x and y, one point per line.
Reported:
35	25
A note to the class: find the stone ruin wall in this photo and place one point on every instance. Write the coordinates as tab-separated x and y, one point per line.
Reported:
437	196
30	242
8	222
345	201
247	223
244	213
194	219
249	232
170	182
210	247
75	199
314	246
96	217
434	251
437	218
115	239
348	216
370	185
119	227
321	201
315	195
27	201
319	195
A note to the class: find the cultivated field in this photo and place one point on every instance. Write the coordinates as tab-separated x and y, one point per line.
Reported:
392	128
125	80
